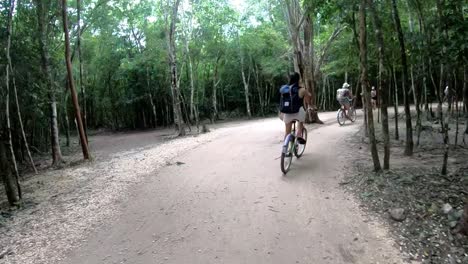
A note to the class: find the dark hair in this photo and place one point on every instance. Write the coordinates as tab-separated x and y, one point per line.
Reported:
294	78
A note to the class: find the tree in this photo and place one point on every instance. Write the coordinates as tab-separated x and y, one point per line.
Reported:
364	83
71	84
10	181
43	19
382	82
409	128
170	34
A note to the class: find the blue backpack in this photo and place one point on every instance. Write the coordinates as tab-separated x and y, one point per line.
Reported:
290	102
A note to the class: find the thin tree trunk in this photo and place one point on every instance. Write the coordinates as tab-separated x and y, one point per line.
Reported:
80	59
192	86
12	189
246	85
395	104
409	128
173	66
259	90
382	84
150	97
71	83
365	87
457	129
67	123
214	98
8	178
418	109
15	92
43	18
465	98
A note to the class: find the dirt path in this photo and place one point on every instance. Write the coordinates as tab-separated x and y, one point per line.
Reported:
227	202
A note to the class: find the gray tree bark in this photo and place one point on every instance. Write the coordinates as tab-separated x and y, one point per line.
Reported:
409	128
364	81
382	83
42	10
170	33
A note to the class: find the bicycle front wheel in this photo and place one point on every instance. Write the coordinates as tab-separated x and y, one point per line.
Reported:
340	117
286	158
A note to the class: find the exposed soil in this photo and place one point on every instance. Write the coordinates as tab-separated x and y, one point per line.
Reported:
415	184
216	198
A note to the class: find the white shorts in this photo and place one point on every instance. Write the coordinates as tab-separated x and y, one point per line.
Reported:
288	118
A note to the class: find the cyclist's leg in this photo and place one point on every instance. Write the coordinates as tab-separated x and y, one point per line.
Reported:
301	117
288	122
346	108
288	129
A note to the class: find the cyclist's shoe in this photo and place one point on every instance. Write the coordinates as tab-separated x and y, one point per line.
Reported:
301	140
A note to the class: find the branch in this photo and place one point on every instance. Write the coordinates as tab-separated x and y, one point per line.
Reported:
333	36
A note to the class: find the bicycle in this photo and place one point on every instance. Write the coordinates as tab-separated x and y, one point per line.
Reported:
341	117
291	146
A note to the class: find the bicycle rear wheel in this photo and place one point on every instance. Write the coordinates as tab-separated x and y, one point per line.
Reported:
300	148
286	157
340	117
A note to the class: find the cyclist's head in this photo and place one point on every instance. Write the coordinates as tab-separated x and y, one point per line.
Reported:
373	88
346	85
294	78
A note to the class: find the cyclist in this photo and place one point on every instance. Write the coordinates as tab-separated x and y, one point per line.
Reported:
345	97
373	97
294	108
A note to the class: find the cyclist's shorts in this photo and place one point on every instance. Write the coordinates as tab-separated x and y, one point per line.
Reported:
288	118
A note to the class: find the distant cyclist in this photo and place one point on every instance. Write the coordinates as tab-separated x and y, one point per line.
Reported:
294	98
373	97
345	96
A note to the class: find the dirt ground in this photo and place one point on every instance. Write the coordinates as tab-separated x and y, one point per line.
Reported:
427	234
214	198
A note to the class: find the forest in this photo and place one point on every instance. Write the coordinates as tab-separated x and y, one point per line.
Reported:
72	68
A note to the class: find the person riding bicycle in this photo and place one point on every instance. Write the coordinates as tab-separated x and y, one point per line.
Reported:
294	99
345	96
373	97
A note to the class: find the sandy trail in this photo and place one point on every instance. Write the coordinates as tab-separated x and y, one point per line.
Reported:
227	202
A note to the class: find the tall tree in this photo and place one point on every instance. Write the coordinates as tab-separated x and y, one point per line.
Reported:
383	88
11	182
245	81
170	34
364	83
71	84
44	21
80	62
409	128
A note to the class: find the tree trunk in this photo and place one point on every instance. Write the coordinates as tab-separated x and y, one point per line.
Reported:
396	104
12	188
80	59
418	109
67	122
43	23
71	83
382	83
465	97
178	119
303	49
15	92
364	81
214	98
192	86
246	85
9	180
401	40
